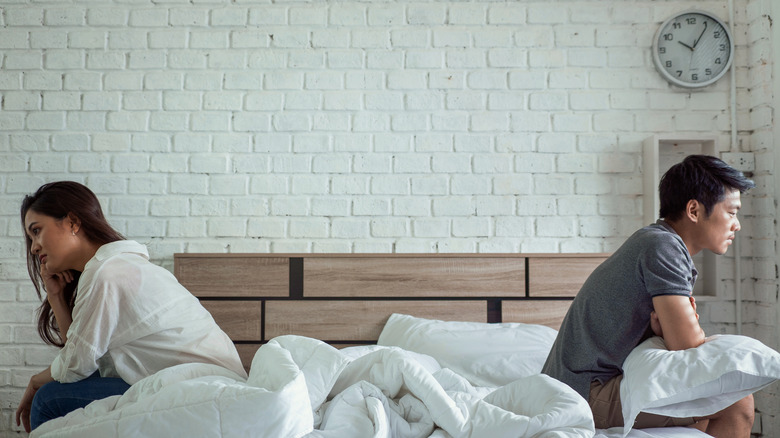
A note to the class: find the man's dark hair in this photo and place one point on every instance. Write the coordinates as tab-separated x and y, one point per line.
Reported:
703	178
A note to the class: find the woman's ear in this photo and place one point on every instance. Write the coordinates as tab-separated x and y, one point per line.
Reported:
74	222
693	210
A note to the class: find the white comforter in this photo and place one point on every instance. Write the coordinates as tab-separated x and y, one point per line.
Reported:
301	387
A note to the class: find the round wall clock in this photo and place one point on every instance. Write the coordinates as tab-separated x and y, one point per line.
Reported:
693	49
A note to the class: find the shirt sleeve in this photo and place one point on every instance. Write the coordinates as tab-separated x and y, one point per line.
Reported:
667	269
95	318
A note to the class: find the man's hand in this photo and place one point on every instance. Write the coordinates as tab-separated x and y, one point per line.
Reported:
693	304
655	324
675	319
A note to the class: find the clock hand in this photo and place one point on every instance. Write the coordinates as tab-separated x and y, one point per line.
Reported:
700	35
691	48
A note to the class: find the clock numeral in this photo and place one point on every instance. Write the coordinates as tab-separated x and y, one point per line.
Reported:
689	35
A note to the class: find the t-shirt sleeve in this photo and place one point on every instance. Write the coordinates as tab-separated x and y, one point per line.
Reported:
667	268
95	319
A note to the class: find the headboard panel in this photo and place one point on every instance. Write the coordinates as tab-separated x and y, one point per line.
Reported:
413	276
345	299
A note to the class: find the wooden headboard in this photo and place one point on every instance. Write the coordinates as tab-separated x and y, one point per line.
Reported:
345	299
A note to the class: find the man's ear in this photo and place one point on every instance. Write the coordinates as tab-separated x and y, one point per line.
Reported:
693	210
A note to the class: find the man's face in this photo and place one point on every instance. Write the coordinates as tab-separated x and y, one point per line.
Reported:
717	230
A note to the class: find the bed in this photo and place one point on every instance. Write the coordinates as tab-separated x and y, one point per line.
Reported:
256	297
380	345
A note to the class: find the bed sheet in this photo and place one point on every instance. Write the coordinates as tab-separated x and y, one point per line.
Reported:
430	379
301	387
665	432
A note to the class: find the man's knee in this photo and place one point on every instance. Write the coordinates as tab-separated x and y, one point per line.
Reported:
746	409
741	412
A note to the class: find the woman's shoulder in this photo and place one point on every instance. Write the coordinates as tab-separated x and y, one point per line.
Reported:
119	261
120	248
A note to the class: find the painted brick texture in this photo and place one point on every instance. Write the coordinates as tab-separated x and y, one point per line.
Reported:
384	126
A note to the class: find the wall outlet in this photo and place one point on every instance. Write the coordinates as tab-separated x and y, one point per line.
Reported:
743	161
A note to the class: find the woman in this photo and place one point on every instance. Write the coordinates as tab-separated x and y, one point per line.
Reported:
116	317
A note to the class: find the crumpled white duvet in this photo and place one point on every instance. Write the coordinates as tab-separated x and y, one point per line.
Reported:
302	387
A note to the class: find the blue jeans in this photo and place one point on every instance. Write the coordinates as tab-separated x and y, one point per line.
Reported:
56	399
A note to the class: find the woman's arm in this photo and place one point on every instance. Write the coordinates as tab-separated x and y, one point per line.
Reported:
92	328
62	314
25	405
55	285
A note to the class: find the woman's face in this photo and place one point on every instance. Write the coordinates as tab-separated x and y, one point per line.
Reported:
53	241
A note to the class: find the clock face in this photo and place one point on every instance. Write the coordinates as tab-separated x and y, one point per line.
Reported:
693	49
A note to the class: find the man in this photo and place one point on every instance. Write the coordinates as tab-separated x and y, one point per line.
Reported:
646	288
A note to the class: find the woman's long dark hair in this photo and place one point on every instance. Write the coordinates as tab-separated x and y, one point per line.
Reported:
60	200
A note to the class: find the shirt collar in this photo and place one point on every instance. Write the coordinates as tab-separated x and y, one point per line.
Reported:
668	227
121	246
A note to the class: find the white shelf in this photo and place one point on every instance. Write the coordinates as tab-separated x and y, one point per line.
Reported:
661	151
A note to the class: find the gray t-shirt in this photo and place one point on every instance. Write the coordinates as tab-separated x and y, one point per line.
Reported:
611	313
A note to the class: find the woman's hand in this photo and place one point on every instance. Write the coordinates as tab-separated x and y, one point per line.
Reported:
25	405
23	411
55	282
55	285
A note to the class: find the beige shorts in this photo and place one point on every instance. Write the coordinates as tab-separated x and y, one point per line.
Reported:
604	401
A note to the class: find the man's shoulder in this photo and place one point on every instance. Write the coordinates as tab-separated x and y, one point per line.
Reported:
655	236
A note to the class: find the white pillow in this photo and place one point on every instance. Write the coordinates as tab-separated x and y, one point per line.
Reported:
697	381
485	354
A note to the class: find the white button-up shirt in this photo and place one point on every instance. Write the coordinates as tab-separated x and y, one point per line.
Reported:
132	318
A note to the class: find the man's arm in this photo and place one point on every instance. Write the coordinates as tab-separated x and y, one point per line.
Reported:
679	321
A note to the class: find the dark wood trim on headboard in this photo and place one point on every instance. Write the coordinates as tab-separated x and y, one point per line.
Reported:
345	299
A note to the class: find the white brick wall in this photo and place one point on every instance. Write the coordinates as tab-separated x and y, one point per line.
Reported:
296	126
761	315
